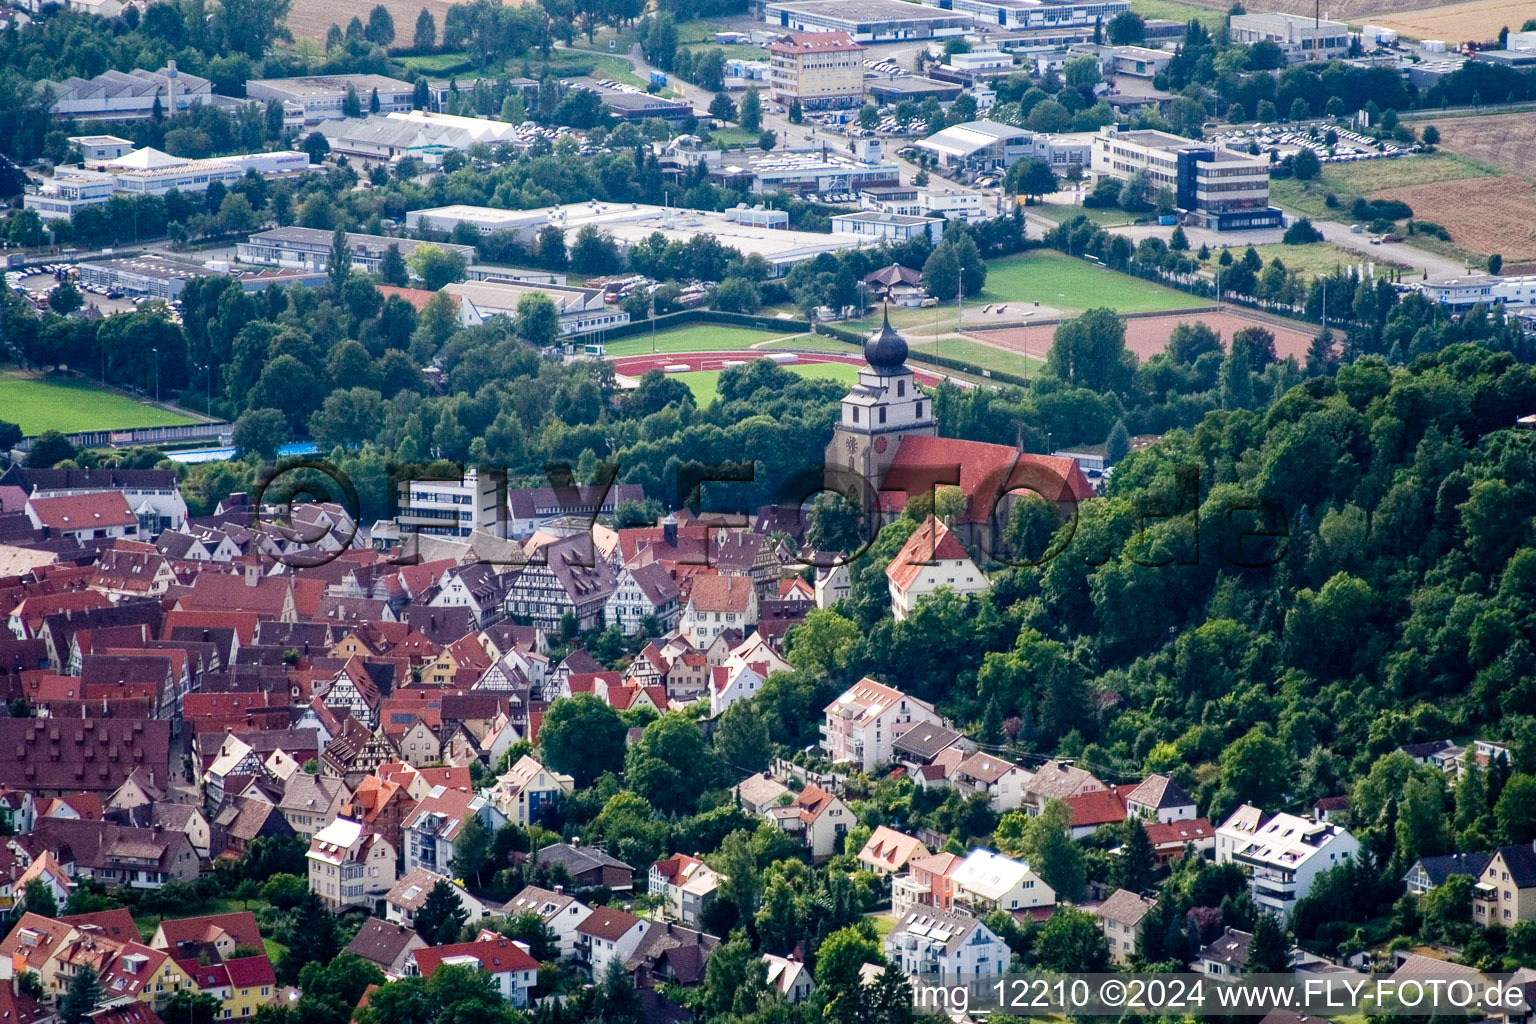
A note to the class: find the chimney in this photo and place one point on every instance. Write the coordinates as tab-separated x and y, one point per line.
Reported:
171	76
559	889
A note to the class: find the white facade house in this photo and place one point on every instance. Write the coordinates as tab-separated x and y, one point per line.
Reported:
986	881
731	683
1283	854
881	224
716	604
561	913
860	725
528	792
582	310
817	818
608	934
644	590
1000	780
958	948
348	866
508	963
687	885
931	558
1158	798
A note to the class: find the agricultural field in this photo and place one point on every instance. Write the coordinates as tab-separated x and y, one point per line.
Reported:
705	384
694	338
1485	215
309	19
1504	141
1474	22
1174	10
70	405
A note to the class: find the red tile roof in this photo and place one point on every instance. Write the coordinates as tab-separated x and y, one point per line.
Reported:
496	957
1099	807
985	471
84	511
931	542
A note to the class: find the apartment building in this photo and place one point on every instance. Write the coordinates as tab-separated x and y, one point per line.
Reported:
1283	854
1215	188
822	70
863	722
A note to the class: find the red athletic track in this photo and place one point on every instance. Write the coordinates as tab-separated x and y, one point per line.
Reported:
635	366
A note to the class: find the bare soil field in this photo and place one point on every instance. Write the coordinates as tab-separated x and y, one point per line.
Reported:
309	19
1504	140
1476	21
1485	215
1356	12
1148	335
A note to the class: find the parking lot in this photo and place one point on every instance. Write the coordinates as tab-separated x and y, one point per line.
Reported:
1348	145
38	286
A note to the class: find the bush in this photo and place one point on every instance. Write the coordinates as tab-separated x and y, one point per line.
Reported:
1430	228
1302	233
1331	201
1105	195
1380	209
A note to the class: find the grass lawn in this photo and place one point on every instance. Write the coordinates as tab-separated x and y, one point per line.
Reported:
70	404
566	64
740	51
1173	10
705	384
1071	285
433	62
983	357
883	924
1104	218
730	138
813	343
1316	260
1346	181
694	338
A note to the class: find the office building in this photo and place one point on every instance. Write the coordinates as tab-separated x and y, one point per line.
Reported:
152	173
1462	293
117	95
1299	38
155	277
630	104
98	148
310	248
1037	14
805	171
990	145
868	21
320	97
876	226
821	70
1215	188
1137	61
452	508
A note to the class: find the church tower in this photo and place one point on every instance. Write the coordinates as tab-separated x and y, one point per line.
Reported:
883	407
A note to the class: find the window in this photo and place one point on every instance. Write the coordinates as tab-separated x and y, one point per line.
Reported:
882	414
855	414
919	410
901	389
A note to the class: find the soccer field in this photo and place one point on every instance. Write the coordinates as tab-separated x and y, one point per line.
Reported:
694	338
1072	285
705	384
69	404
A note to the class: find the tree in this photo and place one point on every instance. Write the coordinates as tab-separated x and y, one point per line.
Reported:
426	31
736	295
1126	28
313	939
188	1006
284	891
1495	263
1301	232
1118	445
582	737
38	898
351	105
750	114
941	273
1178	241
347	418
48	450
1048	116
735	979
317	146
1133	871
442	915
1255	768
767	140
721	108
65	298
437	266
741	738
392	269
1032	177
670	764
1089	351
1072	940
81	998
381	28
1305	165
1045	842
537	320
340	266
1516	809
796	112
10	436
1268	952
250	26
261	431
1430	135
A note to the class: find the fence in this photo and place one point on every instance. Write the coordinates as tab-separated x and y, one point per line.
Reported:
690	316
997	376
141	435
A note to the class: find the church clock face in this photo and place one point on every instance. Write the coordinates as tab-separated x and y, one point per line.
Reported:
880	443
853	444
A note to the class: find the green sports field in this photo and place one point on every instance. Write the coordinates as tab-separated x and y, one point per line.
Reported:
1071	285
69	405
695	338
705	384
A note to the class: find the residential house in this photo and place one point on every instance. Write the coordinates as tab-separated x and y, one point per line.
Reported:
790	978
219	936
927	883
1121	918
572	578
641	592
730	683
1000	780
986	881
404	901
528	792
1227	954
1173	840
1160	798
1505	892
113	854
917	747
561	913
1284	855
716	604
311	802
956	947
350	866
931	558
888	851
687	884
587	867
430	829
670	954
1057	780
758	794
817	818
861	725
386	945
1095	809
142	974
607	935
1432	872
514	972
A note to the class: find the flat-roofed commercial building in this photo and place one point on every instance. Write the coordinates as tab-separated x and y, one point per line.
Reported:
630	104
822	70
96	148
803	172
116	95
310	248
1300	38
991	145
881	225
868	21
150	172
1037	13
321	96
156	277
1216	188
582	310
